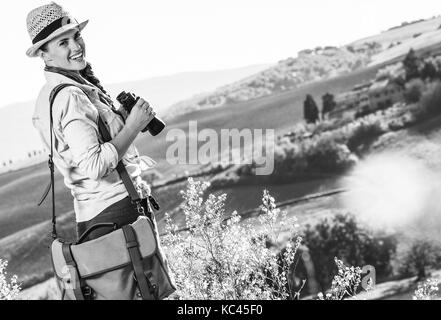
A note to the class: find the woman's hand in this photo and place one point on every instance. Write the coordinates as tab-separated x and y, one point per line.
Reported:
140	116
138	119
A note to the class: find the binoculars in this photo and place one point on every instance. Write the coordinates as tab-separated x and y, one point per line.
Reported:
128	100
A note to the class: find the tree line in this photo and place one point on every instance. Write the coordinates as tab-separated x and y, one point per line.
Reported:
414	67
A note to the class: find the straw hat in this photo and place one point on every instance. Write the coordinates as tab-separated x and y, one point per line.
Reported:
48	22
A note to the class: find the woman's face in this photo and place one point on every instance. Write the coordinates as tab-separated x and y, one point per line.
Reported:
66	51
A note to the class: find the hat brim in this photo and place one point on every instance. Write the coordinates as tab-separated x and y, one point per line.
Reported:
32	51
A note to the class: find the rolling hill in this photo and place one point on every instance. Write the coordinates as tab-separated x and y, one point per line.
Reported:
288	74
322	63
400	33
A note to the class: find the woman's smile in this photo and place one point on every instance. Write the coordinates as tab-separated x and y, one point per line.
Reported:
78	57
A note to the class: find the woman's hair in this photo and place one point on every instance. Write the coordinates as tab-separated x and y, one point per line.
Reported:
88	74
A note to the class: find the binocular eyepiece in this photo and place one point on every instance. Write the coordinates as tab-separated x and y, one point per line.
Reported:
128	101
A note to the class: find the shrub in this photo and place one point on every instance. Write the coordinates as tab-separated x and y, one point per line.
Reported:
414	90
429	70
9	288
343	237
345	283
364	135
221	258
421	256
430	102
331	124
327	156
289	160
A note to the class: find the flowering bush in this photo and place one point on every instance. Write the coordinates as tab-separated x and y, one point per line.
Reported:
9	289
344	284
427	290
221	258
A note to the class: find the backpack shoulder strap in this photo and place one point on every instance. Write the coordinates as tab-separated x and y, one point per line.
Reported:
51	185
52	96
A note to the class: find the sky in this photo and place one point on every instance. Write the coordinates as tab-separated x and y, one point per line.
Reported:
138	39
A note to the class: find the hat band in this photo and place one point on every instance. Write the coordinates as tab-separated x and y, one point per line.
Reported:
52	27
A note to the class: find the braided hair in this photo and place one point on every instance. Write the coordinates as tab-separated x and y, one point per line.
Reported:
87	73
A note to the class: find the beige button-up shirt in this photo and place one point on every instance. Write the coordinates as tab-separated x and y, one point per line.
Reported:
85	161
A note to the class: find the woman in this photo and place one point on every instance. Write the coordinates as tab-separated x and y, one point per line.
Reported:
86	162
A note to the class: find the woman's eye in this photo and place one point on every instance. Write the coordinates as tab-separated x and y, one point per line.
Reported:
62	43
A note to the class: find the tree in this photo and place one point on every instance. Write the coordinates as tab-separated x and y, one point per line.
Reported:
344	237
412	64
429	71
414	90
310	110
422	256
328	103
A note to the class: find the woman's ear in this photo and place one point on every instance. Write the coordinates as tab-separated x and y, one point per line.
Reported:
44	55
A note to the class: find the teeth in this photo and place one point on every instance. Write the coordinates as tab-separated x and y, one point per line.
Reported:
77	56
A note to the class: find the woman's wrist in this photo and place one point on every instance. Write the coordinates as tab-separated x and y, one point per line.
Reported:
123	140
130	131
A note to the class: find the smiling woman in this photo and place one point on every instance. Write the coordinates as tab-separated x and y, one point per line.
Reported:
66	51
91	142
87	162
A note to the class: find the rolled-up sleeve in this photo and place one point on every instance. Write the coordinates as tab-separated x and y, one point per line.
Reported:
78	124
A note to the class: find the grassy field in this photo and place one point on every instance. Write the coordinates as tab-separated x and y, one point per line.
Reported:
401	34
429	42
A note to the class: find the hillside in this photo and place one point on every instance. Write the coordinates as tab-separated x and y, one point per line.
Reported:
162	92
430	40
321	63
288	74
399	33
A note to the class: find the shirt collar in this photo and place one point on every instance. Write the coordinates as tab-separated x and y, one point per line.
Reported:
54	78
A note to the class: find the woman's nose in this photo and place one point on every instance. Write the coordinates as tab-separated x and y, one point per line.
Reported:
75	46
